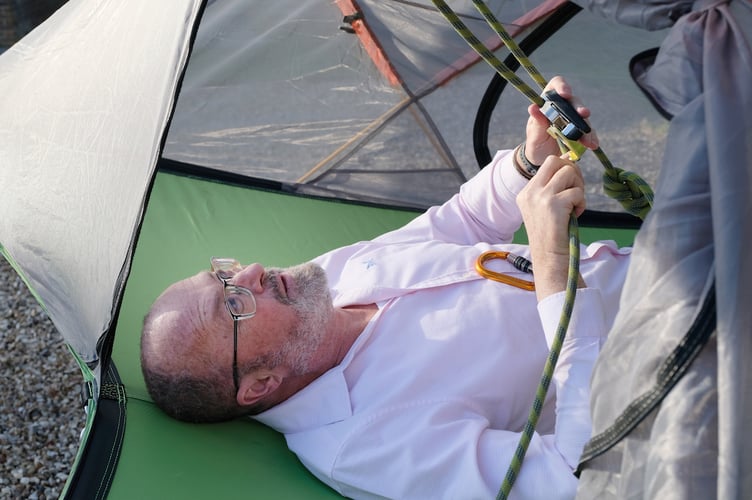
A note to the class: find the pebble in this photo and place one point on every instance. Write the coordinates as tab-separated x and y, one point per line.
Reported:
41	417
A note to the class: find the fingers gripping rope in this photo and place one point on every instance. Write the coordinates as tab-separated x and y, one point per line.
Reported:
628	188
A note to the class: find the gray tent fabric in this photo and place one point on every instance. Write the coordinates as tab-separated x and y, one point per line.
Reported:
80	133
646	14
695	442
329	114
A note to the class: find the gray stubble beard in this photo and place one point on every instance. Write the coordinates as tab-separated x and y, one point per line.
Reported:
313	304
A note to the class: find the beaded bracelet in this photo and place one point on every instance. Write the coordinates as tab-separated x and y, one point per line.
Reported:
523	165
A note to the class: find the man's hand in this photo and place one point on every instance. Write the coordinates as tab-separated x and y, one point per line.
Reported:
539	144
557	190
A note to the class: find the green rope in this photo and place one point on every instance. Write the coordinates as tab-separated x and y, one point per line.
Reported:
553	357
488	56
510	43
629	189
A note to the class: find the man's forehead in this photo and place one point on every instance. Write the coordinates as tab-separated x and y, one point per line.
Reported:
182	294
183	306
200	279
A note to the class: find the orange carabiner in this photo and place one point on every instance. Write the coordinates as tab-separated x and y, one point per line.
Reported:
501	278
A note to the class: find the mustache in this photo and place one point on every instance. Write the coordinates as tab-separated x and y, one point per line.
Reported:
271	280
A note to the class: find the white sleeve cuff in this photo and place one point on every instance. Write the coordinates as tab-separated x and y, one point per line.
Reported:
587	319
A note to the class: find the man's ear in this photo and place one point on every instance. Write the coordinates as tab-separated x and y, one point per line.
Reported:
258	384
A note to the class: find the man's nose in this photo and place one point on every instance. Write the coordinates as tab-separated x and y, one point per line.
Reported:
250	277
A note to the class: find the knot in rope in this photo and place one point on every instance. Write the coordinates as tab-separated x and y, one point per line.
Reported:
629	189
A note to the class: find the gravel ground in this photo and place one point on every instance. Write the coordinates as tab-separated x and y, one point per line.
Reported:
40	412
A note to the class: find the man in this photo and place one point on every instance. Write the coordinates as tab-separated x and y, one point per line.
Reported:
392	367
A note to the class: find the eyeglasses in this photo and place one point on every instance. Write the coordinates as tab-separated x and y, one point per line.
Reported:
239	302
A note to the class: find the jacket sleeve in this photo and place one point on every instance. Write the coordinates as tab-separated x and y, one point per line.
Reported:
485	210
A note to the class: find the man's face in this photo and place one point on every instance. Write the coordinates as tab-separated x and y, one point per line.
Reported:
308	295
293	306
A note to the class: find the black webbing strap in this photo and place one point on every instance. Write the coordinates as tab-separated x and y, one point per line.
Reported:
673	368
96	468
